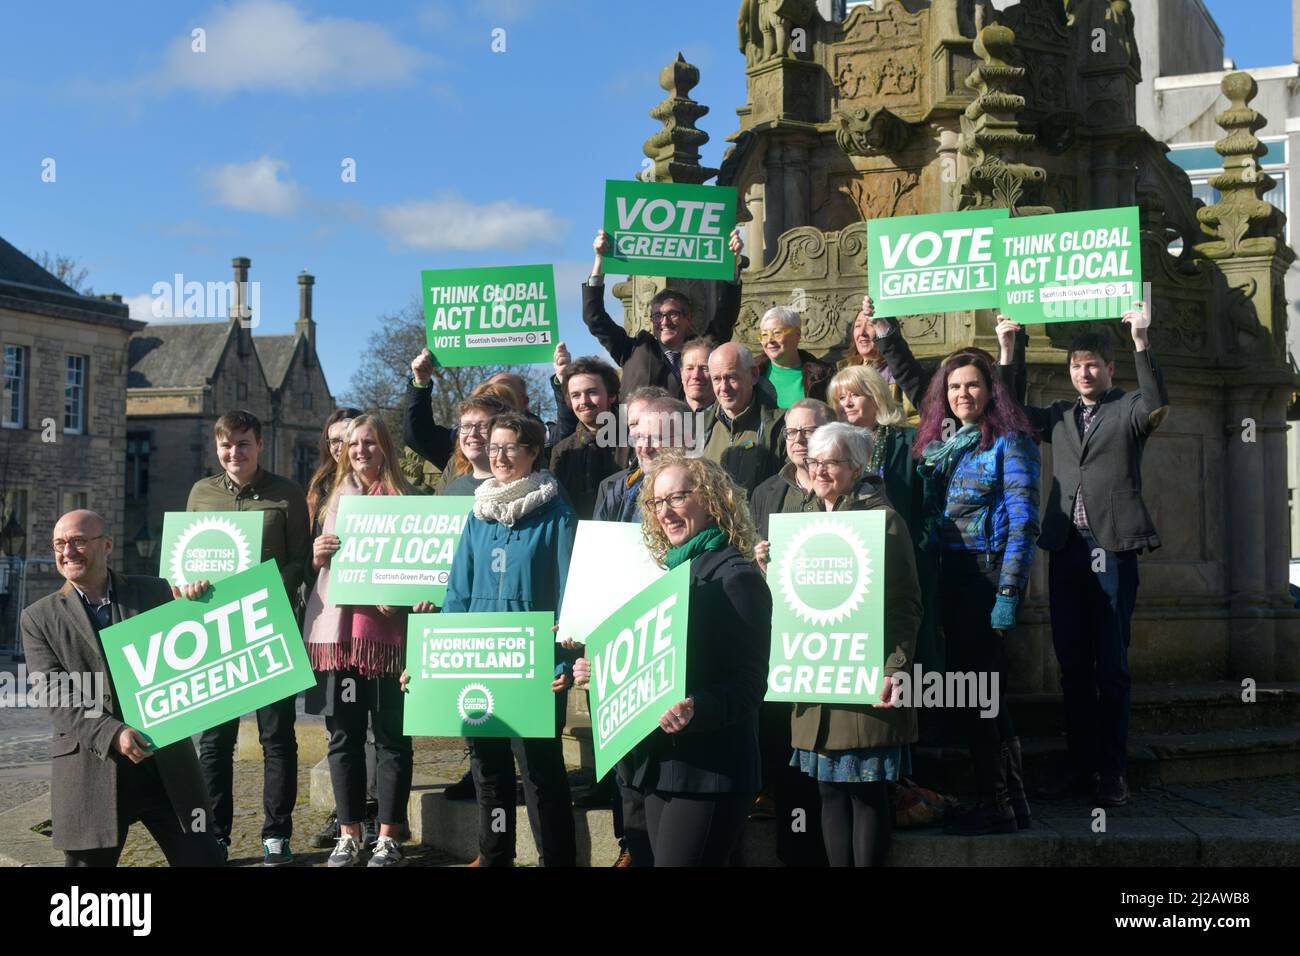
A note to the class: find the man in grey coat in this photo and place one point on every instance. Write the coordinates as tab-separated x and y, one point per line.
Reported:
104	775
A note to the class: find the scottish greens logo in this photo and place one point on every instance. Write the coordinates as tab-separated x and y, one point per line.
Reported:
210	548
475	704
825	573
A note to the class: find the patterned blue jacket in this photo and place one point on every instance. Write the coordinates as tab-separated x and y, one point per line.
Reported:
992	506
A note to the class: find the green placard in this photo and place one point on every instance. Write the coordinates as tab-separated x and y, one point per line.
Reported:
395	549
942	262
480	675
1071	267
209	545
638	666
827	574
502	315
670	229
188	666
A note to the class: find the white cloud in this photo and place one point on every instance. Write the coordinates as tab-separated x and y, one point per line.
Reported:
458	225
149	308
255	187
270	45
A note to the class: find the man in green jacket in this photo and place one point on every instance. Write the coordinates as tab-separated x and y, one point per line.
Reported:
744	430
244	485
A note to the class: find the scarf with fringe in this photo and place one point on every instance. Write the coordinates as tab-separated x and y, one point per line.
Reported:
508	503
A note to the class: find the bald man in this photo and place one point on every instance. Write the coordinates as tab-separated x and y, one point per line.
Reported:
744	430
105	775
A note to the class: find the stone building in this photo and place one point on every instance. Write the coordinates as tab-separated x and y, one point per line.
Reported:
185	375
897	108
62	419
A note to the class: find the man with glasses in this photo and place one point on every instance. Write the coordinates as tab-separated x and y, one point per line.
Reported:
106	775
655	357
743	432
786	372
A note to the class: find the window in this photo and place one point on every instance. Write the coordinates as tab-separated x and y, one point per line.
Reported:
75	501
306	399
241	391
13	404
1202	163
74	395
137	464
14	504
304	463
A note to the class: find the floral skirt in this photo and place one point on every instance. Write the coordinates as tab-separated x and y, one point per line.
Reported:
867	765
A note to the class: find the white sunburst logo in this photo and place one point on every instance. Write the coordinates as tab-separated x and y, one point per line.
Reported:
238	540
475	704
795	553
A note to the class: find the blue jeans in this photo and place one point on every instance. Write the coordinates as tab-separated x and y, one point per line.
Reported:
1093	592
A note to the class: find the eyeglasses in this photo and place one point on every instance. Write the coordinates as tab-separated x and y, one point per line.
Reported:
74	544
674	500
777	334
336	442
477	428
813	464
799	434
508	450
674	314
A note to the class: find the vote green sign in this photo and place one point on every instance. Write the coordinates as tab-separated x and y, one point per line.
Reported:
209	545
933	263
480	675
188	666
494	316
1071	267
638	666
670	229
827	574
395	549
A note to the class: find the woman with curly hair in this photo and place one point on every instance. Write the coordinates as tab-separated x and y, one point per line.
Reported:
700	770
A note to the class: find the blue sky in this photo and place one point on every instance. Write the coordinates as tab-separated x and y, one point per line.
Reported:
170	161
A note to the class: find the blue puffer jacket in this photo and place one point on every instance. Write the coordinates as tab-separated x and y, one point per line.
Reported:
992	506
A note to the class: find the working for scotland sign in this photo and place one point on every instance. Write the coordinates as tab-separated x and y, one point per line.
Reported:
827	574
209	545
188	666
502	315
670	229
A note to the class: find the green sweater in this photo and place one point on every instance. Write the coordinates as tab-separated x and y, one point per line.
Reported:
286	529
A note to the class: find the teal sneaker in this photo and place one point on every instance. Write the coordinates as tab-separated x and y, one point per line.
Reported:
276	852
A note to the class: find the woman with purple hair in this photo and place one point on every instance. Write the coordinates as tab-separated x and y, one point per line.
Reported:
976	450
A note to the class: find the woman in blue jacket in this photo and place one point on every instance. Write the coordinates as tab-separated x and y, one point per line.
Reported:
514	556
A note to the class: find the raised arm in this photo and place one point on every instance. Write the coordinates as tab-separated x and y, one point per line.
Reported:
723	325
1012	342
1152	402
421	433
907	371
608	333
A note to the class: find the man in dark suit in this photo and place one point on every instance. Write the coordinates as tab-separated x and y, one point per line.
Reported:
1095	526
105	775
655	357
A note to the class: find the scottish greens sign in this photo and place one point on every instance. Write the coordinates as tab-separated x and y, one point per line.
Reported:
209	545
638	666
395	549
480	675
670	229
933	263
188	666
495	316
827	574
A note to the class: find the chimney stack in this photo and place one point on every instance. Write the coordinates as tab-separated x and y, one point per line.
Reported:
306	326
239	307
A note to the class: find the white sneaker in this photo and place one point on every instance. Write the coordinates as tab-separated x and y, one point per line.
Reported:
347	852
387	853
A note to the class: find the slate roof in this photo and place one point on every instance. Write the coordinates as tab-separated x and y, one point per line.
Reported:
17	268
175	354
27	287
276	353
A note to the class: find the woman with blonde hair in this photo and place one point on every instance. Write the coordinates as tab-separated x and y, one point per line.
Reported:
700	770
361	649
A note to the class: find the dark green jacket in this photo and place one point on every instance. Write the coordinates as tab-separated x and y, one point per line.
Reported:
750	464
286	529
826	727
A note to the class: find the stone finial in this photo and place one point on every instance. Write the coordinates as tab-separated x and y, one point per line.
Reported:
991	136
1242	222
675	149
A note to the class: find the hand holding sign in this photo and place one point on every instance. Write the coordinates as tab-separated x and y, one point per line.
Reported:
1138	320
581	672
192	591
131	745
677	716
735	244
1007	330
422	368
322	549
890	694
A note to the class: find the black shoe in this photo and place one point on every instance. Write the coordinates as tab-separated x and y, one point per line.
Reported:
594	799
1020	807
224	844
1016	782
329	835
982	819
1069	785
1112	791
463	789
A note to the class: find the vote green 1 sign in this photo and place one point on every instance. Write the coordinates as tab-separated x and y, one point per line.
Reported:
480	675
933	263
395	549
638	666
500	315
1070	267
670	229
188	666
209	545
827	574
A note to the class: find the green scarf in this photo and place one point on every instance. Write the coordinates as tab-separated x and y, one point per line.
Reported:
937	464
710	539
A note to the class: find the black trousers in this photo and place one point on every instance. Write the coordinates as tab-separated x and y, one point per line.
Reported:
696	829
280	770
546	793
968	590
857	822
378	704
631	827
142	798
794	793
1093	593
